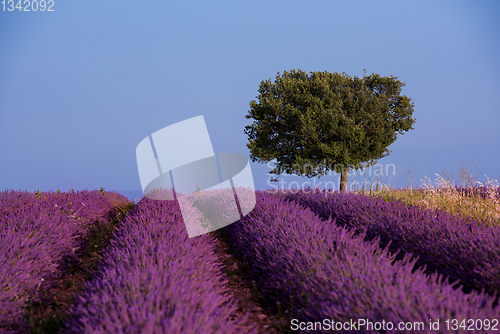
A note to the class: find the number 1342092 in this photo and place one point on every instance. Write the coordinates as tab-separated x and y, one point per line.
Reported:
27	5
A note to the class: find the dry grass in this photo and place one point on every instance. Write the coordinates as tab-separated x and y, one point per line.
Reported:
479	201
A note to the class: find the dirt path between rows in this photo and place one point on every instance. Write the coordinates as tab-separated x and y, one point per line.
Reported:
246	295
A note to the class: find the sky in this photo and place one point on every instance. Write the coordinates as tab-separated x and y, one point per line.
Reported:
83	85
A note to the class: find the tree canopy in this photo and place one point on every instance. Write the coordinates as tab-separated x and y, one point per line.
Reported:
321	121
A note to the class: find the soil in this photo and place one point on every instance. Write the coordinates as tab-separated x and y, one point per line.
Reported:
265	319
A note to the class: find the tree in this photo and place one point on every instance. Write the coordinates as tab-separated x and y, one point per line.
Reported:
321	122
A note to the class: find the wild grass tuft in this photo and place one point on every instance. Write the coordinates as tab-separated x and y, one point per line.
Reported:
466	197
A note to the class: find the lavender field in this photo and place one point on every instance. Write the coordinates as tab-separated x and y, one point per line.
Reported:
301	261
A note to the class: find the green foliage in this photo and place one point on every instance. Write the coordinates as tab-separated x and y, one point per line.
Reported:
327	120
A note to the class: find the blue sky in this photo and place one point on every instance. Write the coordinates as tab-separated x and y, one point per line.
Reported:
80	87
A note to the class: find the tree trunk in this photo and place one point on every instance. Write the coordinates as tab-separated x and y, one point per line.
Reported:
343	179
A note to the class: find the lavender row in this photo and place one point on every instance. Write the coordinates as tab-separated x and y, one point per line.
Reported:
319	270
444	243
85	206
484	191
154	279
37	233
